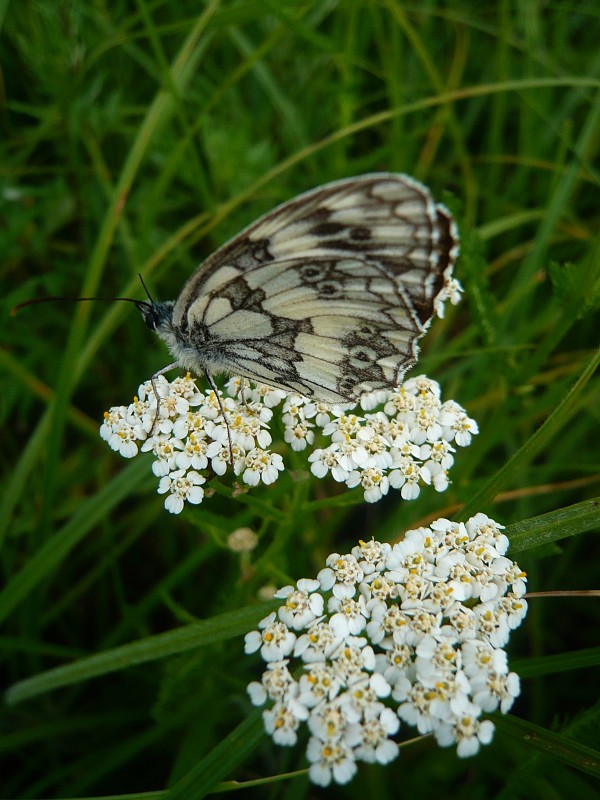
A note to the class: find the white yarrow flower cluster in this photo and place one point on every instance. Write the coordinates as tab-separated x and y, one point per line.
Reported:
403	439
388	636
451	291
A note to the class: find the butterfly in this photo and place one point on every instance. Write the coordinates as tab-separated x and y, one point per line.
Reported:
326	296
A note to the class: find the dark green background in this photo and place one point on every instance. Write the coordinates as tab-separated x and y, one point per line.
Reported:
138	135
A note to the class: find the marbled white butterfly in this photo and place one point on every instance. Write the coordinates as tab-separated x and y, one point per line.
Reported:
327	295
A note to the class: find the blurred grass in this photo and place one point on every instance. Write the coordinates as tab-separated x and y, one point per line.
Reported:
137	136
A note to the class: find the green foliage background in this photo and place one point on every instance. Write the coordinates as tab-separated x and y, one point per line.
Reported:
136	136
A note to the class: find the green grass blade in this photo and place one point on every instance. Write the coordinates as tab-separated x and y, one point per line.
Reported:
201	634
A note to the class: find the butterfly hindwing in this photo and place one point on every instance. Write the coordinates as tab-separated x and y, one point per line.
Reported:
350	331
326	295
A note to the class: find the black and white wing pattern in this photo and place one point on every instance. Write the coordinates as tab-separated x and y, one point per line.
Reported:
327	295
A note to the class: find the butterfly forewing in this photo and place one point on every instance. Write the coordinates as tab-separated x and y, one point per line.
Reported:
326	295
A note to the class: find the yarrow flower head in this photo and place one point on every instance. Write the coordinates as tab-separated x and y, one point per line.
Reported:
392	636
402	439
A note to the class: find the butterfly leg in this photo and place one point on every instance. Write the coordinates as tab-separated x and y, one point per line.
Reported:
243	387
155	390
213	386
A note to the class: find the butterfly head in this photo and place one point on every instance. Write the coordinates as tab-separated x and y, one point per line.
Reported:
157	316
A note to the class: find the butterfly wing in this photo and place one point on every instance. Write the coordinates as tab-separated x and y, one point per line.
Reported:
328	294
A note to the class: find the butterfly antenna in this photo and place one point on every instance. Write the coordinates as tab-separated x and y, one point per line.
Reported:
59	298
145	288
